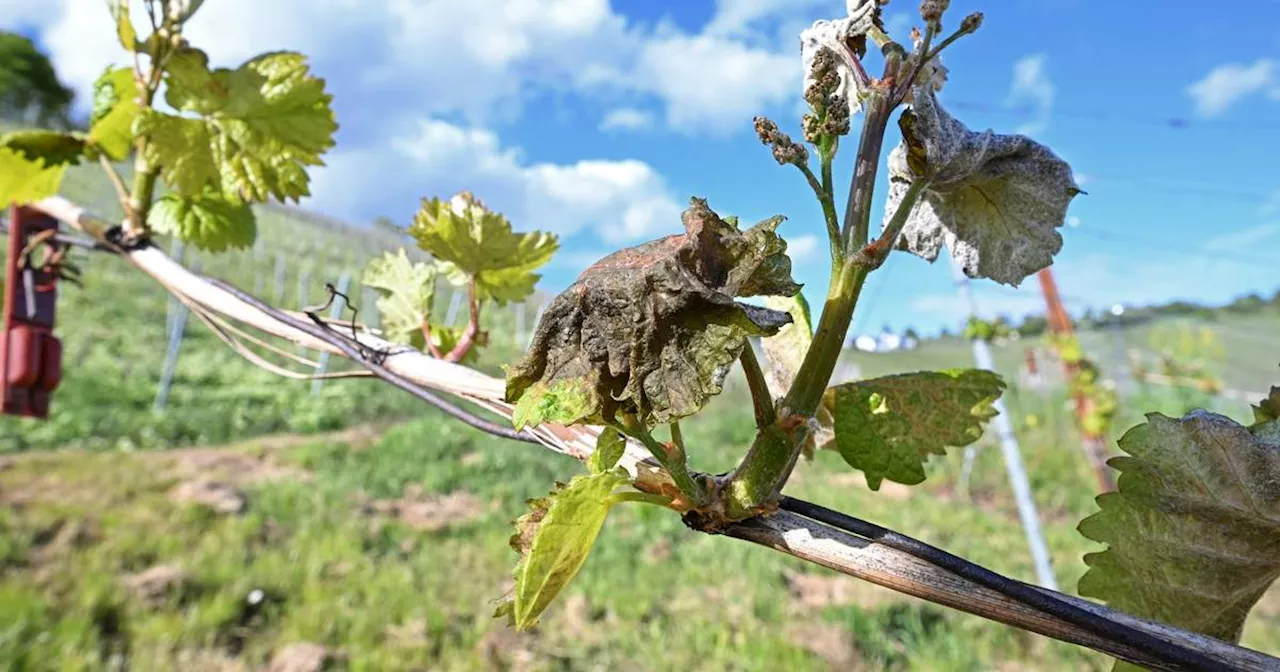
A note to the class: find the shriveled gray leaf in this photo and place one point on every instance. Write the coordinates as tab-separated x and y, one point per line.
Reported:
653	330
996	201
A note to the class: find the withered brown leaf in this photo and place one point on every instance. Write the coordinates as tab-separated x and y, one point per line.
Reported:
652	330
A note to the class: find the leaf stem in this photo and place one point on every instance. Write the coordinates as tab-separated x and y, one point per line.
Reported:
874	254
671	457
473	325
641	497
761	398
823	191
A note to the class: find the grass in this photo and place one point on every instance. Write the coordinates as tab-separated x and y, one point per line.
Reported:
383	594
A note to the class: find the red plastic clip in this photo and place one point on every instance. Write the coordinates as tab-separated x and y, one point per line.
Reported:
30	355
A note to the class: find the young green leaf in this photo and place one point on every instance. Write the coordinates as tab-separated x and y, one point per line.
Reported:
181	147
473	242
554	540
407	289
124	25
25	181
609	449
888	427
566	401
209	221
653	330
1194	527
264	123
785	350
1268	409
48	147
996	201
115	107
445	339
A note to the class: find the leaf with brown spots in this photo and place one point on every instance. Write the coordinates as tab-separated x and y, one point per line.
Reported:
653	330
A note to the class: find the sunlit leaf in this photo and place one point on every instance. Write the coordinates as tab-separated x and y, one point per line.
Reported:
472	241
995	201
554	539
265	122
182	148
115	107
887	427
210	222
1193	531
653	330
124	26
25	181
406	290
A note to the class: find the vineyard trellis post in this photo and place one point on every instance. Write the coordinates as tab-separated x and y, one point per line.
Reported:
304	284
278	279
177	329
455	304
176	250
1012	453
335	312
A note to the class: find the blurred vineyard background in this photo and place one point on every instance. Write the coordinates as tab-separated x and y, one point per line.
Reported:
254	513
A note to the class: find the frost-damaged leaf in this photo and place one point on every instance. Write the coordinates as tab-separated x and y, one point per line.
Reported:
472	241
265	122
653	330
609	449
1194	526
24	181
554	539
785	350
889	426
996	201
48	147
406	291
115	107
208	221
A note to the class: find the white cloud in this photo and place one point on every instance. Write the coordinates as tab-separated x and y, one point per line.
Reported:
715	85
481	59
735	18
802	248
626	119
620	201
1031	85
1229	84
1243	238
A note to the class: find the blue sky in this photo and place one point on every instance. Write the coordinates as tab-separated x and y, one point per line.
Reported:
600	119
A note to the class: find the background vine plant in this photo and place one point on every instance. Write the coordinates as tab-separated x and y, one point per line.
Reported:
647	335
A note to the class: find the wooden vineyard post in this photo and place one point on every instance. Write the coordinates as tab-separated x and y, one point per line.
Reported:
1093	445
30	355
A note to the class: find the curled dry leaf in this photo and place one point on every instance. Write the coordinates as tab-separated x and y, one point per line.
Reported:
996	201
653	330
